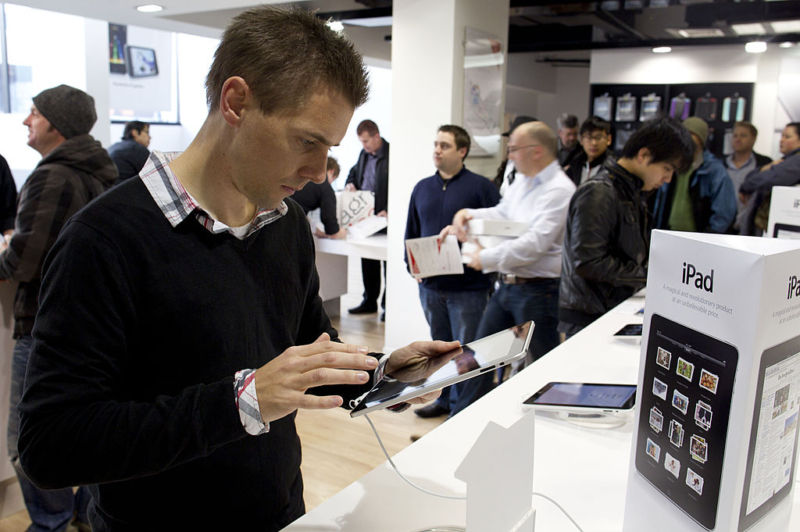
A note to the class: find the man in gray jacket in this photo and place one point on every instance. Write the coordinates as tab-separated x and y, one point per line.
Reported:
74	169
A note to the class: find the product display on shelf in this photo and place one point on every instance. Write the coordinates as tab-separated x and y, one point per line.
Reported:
602	106
626	108
706	107
733	108
651	107
679	107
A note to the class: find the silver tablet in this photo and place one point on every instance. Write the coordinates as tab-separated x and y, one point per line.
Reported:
471	360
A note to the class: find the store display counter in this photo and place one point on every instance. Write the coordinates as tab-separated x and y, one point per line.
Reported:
584	468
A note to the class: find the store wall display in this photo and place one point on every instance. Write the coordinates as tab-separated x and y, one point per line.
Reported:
715	444
719	104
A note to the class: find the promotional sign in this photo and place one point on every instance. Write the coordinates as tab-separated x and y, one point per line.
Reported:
784	213
715	438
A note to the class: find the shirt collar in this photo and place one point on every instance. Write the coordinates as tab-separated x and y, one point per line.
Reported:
545	174
177	204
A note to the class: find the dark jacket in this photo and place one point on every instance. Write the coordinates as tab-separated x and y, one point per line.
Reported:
712	195
356	176
319	196
604	259
575	170
761	160
129	156
8	197
70	176
785	173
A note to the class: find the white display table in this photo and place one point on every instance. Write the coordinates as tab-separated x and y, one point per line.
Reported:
584	469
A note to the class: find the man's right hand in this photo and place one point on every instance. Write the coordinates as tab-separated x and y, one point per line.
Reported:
350	187
460	224
281	383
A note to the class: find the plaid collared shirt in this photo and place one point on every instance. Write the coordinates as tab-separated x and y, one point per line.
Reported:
177	204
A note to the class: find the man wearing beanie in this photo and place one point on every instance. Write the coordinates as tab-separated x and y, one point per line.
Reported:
74	169
701	199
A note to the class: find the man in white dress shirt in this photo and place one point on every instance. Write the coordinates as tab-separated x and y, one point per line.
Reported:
529	266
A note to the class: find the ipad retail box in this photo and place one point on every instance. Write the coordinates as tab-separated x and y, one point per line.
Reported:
784	213
715	435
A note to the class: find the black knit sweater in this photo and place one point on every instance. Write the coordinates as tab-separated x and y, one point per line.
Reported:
130	384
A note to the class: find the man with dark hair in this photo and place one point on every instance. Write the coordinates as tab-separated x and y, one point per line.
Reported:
607	239
757	186
74	169
321	196
130	154
453	304
528	265
371	173
595	138
180	325
743	160
701	198
568	147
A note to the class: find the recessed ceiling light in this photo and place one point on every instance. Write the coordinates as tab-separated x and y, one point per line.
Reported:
786	44
662	50
749	29
335	25
755	47
149	8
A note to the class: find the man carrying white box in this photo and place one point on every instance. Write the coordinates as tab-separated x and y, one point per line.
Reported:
530	264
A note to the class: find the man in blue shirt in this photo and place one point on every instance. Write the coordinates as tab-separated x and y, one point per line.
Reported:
453	304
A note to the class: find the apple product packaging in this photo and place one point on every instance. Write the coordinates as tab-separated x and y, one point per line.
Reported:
475	358
583	397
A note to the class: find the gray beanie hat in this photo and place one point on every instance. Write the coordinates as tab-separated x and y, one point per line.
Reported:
69	110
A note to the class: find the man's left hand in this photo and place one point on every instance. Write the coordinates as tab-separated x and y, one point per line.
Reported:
475	258
420	360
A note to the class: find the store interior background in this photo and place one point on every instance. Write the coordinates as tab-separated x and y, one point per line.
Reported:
68	43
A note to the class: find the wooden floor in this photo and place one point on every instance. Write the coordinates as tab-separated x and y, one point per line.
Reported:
337	450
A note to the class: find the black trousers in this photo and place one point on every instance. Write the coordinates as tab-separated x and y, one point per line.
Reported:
371	276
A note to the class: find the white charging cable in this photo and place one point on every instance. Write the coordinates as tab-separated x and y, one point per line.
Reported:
453	497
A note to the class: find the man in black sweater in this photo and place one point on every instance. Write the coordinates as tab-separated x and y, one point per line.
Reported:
180	325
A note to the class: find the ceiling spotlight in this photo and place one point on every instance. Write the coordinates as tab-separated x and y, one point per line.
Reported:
755	47
335	25
149	8
662	50
786	44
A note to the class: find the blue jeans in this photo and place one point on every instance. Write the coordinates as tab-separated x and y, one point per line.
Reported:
513	304
455	315
48	509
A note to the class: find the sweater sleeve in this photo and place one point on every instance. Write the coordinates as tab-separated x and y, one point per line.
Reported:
78	424
327	206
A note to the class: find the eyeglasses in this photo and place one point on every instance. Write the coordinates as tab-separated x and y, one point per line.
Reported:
600	137
512	149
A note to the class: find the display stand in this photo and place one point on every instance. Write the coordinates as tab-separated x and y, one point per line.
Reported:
715	443
498	471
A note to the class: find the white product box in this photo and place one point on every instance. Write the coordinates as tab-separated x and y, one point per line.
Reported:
784	213
354	206
715	436
497	227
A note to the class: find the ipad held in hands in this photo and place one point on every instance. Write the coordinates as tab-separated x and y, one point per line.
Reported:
470	360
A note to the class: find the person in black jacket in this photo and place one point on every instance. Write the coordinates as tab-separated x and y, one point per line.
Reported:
595	138
742	161
321	196
131	152
8	198
604	259
180	326
73	170
371	172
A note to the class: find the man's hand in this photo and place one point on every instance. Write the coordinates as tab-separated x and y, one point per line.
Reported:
420	360
475	258
461	224
281	383
350	187
744	198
